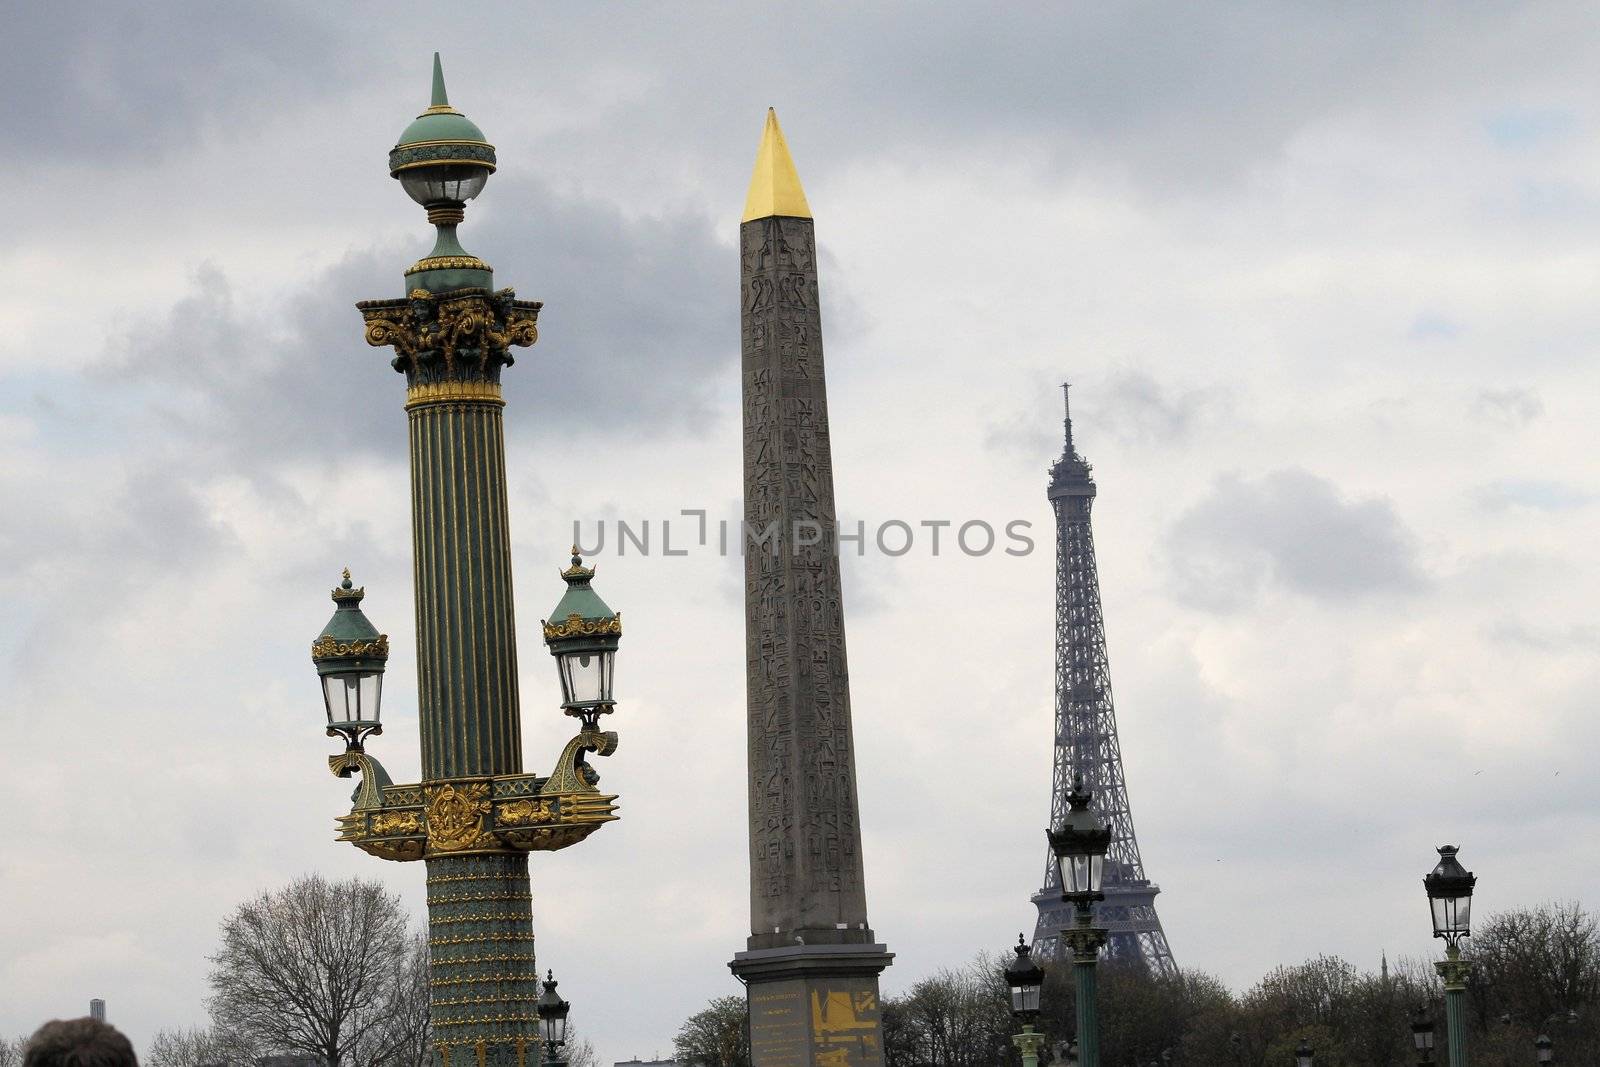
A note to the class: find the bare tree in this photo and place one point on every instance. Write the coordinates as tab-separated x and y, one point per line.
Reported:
197	1046
315	967
579	1051
11	1051
405	1037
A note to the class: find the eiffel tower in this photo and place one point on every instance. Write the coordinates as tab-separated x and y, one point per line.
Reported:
1086	738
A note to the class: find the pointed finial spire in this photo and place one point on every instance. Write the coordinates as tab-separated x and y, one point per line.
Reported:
1066	399
577	572
347	590
775	184
440	99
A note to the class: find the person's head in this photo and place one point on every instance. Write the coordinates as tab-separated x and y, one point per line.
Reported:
78	1043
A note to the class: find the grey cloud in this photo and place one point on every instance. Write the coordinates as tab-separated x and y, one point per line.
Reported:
1161	95
1293	530
1511	407
1531	493
94	82
1127	406
1138	409
1544	638
639	326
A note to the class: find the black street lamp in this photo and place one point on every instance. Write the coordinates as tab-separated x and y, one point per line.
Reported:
1546	1050
1449	886
1422	1035
1080	845
553	1018
1026	981
1304	1054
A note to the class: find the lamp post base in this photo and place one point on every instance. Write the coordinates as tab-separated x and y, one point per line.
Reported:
484	976
1454	971
1029	1043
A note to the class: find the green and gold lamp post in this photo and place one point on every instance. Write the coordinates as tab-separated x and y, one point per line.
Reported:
1080	845
1026	980
476	814
1449	887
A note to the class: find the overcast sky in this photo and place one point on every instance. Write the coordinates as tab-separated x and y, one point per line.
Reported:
1325	279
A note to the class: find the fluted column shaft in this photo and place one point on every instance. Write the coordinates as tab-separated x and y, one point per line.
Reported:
466	638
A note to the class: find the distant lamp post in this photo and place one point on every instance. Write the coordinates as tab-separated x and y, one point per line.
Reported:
1026	980
1449	887
553	1018
1547	1053
1080	845
1422	1035
1304	1054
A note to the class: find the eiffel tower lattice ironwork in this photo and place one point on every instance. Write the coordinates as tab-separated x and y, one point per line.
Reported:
1086	739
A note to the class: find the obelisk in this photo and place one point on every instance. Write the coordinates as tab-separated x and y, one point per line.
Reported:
812	963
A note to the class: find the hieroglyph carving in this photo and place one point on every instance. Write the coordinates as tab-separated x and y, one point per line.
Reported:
804	835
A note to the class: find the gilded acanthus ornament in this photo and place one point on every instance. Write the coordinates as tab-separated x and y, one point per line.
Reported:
456	336
326	647
575	625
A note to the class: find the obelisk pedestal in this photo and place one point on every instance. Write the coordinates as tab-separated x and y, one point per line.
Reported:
812	963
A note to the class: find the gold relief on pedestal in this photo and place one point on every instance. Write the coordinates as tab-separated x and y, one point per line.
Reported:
455	815
523	812
396	822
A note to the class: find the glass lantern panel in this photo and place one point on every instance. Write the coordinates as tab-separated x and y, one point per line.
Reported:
585	676
1097	872
370	693
1077	872
1025	998
352	697
1451	915
446	181
339	690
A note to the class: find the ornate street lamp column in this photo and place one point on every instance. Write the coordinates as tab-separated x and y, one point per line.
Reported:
1449	887
1080	845
475	815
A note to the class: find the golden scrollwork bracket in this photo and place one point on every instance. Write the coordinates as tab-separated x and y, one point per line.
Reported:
573	774
369	794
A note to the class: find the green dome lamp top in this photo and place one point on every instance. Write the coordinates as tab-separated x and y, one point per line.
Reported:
442	160
350	655
583	633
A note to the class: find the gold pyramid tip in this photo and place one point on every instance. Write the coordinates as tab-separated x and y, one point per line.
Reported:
775	185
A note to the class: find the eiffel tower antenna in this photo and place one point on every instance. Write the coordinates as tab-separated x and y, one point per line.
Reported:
1086	736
